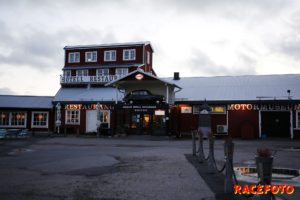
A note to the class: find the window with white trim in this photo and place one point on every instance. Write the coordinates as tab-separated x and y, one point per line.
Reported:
67	73
148	57
18	119
104	116
121	71
4	119
74	57
39	120
72	116
129	54
82	72
91	56
102	72
110	55
298	119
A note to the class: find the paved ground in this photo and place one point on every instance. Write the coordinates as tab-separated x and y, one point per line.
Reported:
119	168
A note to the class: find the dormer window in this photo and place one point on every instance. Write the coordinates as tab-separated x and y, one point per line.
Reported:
148	57
82	72
74	57
110	55
91	56
129	54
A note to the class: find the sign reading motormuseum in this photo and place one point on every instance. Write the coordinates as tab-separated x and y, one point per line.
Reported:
264	107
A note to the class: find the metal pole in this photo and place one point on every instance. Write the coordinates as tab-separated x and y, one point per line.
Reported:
194	143
211	158
228	150
200	149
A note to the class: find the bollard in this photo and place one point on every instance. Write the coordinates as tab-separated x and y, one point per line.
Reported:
211	157
194	143
200	149
228	150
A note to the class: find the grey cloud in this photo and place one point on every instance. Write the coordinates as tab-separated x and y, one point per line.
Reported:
42	50
6	91
201	63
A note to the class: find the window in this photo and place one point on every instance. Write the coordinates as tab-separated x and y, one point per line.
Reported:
72	116
74	57
39	120
129	54
102	72
121	71
67	73
104	116
82	72
148	57
110	55
4	119
91	56
196	109
298	119
18	119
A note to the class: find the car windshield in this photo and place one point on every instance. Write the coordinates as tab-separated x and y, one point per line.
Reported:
141	92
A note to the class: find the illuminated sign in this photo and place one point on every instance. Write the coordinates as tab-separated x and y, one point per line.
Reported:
139	76
263	107
159	112
186	109
88	107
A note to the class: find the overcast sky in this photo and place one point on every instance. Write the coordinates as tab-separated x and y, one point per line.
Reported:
193	37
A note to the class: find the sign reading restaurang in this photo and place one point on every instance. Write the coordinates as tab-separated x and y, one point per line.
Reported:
88	79
263	107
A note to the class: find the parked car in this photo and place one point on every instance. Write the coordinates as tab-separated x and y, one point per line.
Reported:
142	96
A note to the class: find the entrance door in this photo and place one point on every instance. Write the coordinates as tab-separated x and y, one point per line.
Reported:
91	121
275	124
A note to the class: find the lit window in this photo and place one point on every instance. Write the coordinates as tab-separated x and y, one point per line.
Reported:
121	71
148	57
91	56
74	57
129	54
82	72
4	118
298	119
67	73
72	116
39	120
104	116
102	72
18	119
110	55
218	109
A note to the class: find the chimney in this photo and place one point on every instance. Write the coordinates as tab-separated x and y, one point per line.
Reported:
176	76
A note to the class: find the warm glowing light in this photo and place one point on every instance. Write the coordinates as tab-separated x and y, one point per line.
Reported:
219	109
18	116
139	76
146	118
3	116
40	116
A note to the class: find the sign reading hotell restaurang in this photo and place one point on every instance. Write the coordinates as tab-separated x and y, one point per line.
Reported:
264	107
88	79
87	107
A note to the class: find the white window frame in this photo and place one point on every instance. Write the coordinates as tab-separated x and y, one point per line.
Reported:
122	69
7	116
72	122
110	55
148	57
67	73
39	112
103	74
131	54
93	57
82	72
102	114
75	55
10	119
297	119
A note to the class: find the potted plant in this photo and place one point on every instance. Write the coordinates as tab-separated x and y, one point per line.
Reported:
264	165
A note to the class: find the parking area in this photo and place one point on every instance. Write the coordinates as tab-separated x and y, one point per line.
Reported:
133	167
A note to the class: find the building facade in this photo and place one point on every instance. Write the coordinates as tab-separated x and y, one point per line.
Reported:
114	88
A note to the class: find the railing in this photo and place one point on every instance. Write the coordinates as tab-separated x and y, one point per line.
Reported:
88	79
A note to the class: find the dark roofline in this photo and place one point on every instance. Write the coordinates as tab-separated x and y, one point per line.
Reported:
236	101
102	66
128	44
